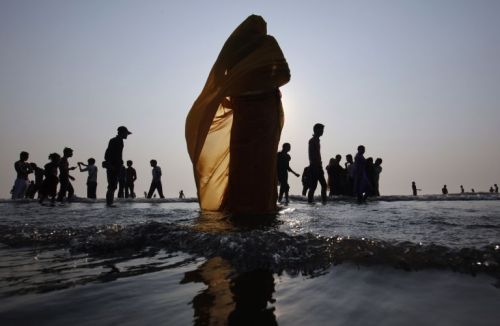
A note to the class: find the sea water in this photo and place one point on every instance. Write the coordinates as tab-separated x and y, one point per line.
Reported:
398	260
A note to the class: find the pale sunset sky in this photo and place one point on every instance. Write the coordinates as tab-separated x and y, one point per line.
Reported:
416	82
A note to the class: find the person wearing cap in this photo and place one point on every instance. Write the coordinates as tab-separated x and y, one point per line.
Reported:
113	162
66	188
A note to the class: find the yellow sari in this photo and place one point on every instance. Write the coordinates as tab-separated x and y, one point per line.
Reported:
234	126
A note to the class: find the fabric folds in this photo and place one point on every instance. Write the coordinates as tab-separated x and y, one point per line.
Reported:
233	128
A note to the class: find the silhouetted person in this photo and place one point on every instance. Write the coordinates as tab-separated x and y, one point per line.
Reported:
377	170
329	173
316	165
23	169
462	189
156	182
283	166
181	194
362	186
349	168
91	168
306	180
336	176
472	190
49	184
38	172
66	188
414	188
131	177
444	190
113	162
122	181
370	174
496	188
492	190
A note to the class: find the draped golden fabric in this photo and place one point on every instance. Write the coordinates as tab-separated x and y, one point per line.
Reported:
233	127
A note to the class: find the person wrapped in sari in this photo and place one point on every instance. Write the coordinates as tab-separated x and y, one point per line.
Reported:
234	126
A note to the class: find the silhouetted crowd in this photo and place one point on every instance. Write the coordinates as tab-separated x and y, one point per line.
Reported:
357	178
57	173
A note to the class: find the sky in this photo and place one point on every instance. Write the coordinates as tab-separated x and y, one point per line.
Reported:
416	82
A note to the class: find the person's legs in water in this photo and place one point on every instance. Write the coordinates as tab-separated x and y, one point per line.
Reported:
63	189
71	191
121	189
132	193
160	189
287	188
152	189
91	190
317	175
312	186
323	184
282	191
112	176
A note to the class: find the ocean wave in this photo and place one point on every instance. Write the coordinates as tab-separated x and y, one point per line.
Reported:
254	248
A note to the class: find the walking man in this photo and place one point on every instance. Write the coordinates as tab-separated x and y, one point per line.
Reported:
156	182
113	162
283	163
315	164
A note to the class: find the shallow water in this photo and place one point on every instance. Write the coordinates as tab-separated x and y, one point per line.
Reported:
165	262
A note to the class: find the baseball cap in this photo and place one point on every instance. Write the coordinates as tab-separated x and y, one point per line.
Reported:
124	129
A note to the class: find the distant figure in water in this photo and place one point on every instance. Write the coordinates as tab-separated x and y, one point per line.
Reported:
414	188
305	180
122	181
181	194
66	188
362	187
131	177
49	184
462	189
316	165
472	190
349	167
492	190
23	169
91	169
113	162
444	190
370	174
156	182
377	170
336	176
283	166
496	188
234	126
38	172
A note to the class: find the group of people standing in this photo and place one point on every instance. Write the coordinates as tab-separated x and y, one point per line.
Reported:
57	172
358	177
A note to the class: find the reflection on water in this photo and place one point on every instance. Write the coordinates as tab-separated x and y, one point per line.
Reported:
230	298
